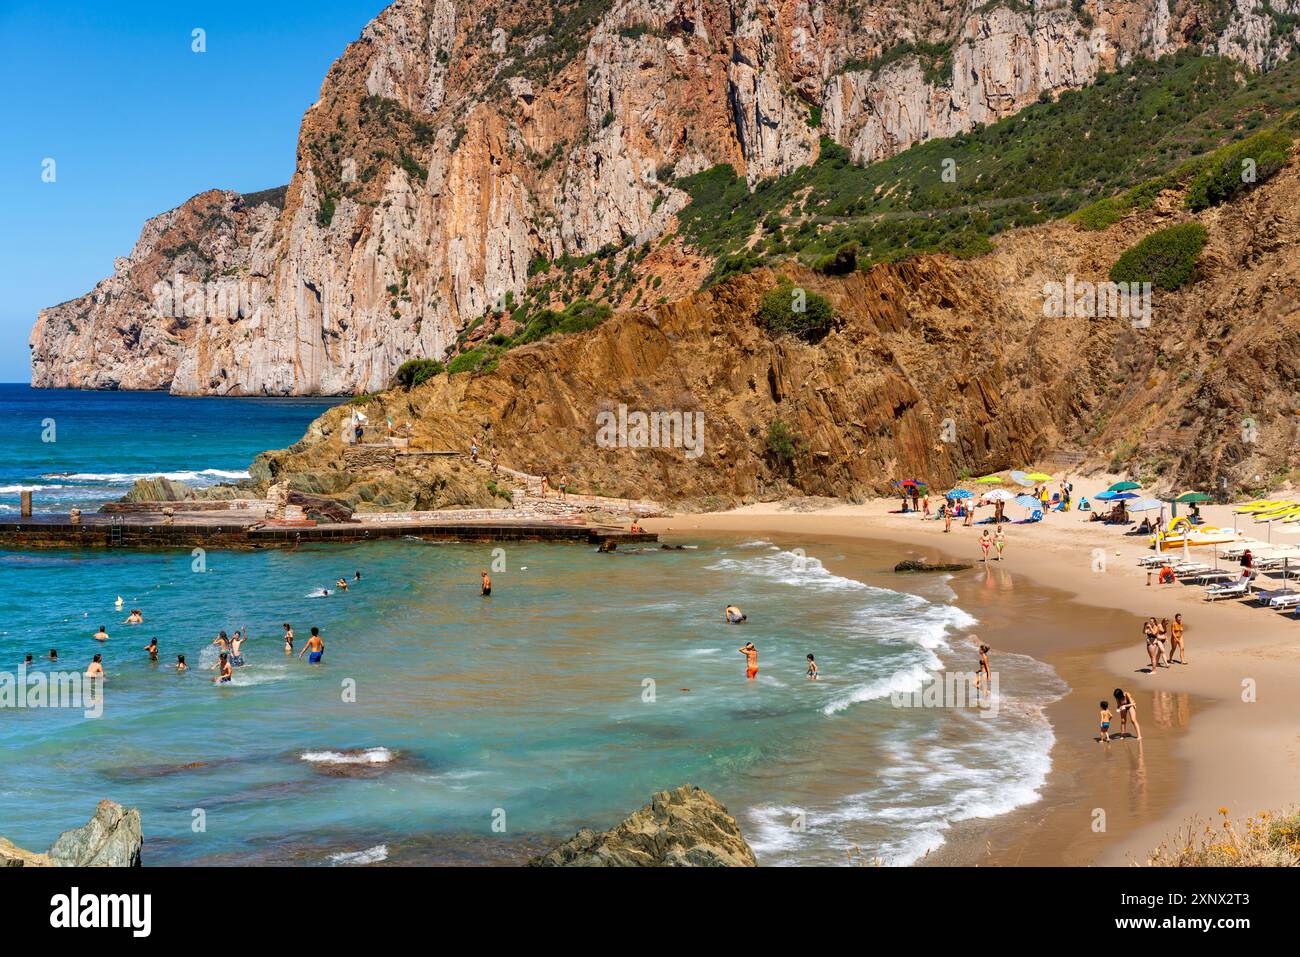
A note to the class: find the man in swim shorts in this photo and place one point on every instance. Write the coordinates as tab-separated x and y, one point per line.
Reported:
487	585
734	616
236	643
315	648
751	660
223	670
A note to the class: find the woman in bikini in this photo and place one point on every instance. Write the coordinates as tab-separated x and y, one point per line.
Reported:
1000	542
1176	640
984	677
1127	712
1155	650
288	638
985	541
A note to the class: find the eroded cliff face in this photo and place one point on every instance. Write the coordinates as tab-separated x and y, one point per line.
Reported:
453	145
936	367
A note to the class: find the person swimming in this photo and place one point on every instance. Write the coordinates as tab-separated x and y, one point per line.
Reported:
288	638
487	585
341	584
28	662
734	616
152	648
101	635
315	648
358	578
223	670
135	618
54	654
751	660
181	666
96	668
812	668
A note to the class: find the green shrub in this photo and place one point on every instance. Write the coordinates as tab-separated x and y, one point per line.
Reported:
782	441
1166	259
415	372
578	316
1225	175
791	310
471	360
839	263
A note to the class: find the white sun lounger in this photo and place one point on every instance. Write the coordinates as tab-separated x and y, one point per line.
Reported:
1235	590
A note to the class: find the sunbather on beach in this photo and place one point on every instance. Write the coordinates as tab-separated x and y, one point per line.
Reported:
1176	640
1127	712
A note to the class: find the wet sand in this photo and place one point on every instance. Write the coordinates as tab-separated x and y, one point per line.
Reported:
1203	746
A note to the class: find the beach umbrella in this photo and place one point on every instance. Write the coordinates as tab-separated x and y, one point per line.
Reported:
959	493
1145	505
1115	496
989	480
999	495
1039	477
1020	478
1194	497
1123	487
910	483
1028	501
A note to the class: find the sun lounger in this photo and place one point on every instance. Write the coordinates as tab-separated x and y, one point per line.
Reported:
1281	598
1236	590
1035	516
1204	577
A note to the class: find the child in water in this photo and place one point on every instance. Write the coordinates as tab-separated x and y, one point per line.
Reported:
812	668
1105	721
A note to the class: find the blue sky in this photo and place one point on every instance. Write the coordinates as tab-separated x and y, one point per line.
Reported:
137	123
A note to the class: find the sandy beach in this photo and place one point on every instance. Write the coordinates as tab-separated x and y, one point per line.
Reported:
1220	732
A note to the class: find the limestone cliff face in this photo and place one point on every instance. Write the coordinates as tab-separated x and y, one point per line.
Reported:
454	144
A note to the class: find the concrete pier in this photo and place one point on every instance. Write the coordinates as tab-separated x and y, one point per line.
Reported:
231	529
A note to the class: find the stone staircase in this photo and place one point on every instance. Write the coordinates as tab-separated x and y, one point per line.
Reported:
527	500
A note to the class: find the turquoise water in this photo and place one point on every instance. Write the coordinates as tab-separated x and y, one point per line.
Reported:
84	448
446	727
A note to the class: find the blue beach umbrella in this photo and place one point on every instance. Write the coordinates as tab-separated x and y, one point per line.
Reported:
959	493
1028	501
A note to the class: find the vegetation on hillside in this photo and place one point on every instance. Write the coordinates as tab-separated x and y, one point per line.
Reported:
1125	133
1267	840
1166	258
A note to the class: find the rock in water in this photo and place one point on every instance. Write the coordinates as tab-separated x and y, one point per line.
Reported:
911	566
686	827
112	838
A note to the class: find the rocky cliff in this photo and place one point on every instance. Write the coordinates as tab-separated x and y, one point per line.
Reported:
935	366
455	147
112	838
684	827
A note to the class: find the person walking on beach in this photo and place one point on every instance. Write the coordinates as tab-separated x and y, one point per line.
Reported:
1127	712
1105	721
984	676
925	506
1176	640
970	513
1155	650
947	516
546	486
751	660
1000	541
314	649
496	466
985	541
487	585
564	485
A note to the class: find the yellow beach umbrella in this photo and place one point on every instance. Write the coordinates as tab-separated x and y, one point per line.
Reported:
989	480
1039	477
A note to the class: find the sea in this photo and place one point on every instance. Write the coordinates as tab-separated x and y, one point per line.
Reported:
443	727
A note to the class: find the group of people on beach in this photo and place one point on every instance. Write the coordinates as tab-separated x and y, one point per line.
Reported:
1163	638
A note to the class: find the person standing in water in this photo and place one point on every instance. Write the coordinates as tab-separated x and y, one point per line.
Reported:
223	670
236	643
734	616
984	676
101	635
152	648
487	585
812	668
96	668
1127	712
751	660
288	638
315	648
181	666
